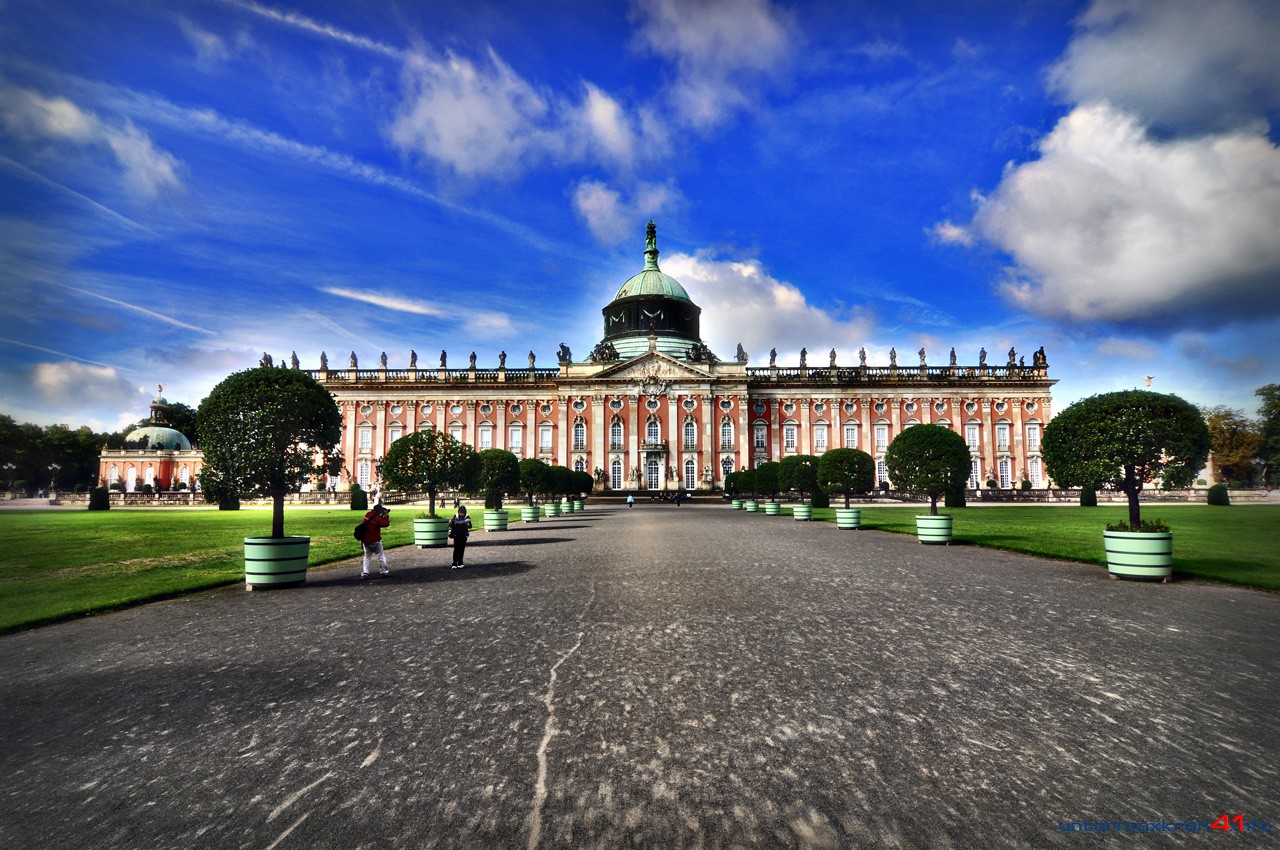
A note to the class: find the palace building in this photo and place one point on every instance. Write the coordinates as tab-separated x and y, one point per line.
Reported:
653	408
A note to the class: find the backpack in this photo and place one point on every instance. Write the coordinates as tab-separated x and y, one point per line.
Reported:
360	530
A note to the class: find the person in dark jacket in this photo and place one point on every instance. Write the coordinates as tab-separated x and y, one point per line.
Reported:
459	529
376	520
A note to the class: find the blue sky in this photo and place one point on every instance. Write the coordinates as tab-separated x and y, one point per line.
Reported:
185	185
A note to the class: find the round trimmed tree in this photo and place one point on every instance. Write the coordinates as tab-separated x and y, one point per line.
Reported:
799	473
1127	439
497	474
426	460
265	431
847	471
766	478
928	459
533	477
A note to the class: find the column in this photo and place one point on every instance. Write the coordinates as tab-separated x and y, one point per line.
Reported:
562	437
500	425
633	438
805	444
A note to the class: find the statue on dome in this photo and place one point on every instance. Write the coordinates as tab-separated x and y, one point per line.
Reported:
354	362
741	355
324	362
413	359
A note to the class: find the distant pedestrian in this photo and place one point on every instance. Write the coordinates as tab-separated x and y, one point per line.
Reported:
376	520
631	501
459	530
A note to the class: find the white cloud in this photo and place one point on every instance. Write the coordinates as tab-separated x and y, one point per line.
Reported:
949	233
611	217
1190	64
148	170
210	49
722	49
1113	224
742	302
389	302
68	384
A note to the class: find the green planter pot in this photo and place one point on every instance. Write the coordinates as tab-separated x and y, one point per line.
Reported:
430	532
275	561
736	504
579	505
566	506
934	529
772	508
802	513
495	520
529	513
751	506
849	518
1139	554
551	509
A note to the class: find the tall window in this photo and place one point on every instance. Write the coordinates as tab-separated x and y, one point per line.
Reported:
882	471
615	435
726	435
362	473
515	438
690	436
486	437
579	436
882	437
1033	471
851	436
544	438
975	474
394	434
653	473
615	474
1033	437
789	437
113	475
819	438
726	466
579	465
1002	436
150	476
1006	479
971	435
651	432
761	436
366	439
184	475
690	475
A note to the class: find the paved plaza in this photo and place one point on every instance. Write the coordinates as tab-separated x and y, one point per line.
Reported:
660	677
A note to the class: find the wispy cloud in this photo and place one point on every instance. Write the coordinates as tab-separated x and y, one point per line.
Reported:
55	352
310	25
21	169
160	317
389	302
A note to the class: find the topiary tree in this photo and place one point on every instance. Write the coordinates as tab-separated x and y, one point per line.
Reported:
1218	495
582	482
265	431
1126	439
847	471
497	474
426	460
766	478
99	499
1088	497
558	481
533	477
928	459
359	498
733	485
799	473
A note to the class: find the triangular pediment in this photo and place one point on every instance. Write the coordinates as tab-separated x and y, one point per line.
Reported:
654	366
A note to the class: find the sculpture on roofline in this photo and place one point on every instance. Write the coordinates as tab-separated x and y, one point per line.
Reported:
832	357
953	355
564	355
921	353
982	357
383	360
893	357
413	359
742	354
862	356
502	360
355	364
293	359
324	362
443	358
773	357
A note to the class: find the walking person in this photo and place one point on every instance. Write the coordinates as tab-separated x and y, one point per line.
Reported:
459	530
376	520
631	501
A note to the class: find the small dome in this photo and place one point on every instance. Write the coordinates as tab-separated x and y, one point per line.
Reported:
652	281
160	438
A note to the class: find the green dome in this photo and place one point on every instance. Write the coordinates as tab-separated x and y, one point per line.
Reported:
652	281
160	438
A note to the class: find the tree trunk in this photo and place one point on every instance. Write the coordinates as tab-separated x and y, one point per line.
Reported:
846	498
431	501
1132	486
277	514
933	505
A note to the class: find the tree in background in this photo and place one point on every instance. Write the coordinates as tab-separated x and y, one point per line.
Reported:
533	477
497	474
1269	411
1126	439
766	478
799	473
1235	441
428	461
847	471
265	431
928	459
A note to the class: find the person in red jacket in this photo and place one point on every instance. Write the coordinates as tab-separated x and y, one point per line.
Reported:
376	520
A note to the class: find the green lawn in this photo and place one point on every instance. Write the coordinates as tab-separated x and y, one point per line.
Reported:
57	564
1234	545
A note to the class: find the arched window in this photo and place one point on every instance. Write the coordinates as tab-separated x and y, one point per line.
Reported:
150	476
653	473
615	435
726	465
130	479
690	435
615	474
1006	478
690	475
579	436
362	473
113	475
651	434
975	474
850	435
726	434
184	475
579	465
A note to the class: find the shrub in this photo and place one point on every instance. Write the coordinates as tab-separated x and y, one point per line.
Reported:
359	498
955	499
1088	497
533	477
100	499
846	471
1025	485
118	486
798	472
1126	439
820	499
426	460
498	473
928	459
1218	495
767	478
991	484
229	503
1200	482
1147	526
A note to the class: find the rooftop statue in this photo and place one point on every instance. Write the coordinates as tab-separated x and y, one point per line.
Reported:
324	362
804	357
893	357
921	353
383	360
502	360
413	359
862	356
354	362
833	358
953	355
564	355
293	359
773	357
443	359
742	354
982	357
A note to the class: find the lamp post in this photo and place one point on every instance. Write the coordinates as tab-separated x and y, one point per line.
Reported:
53	476
8	473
